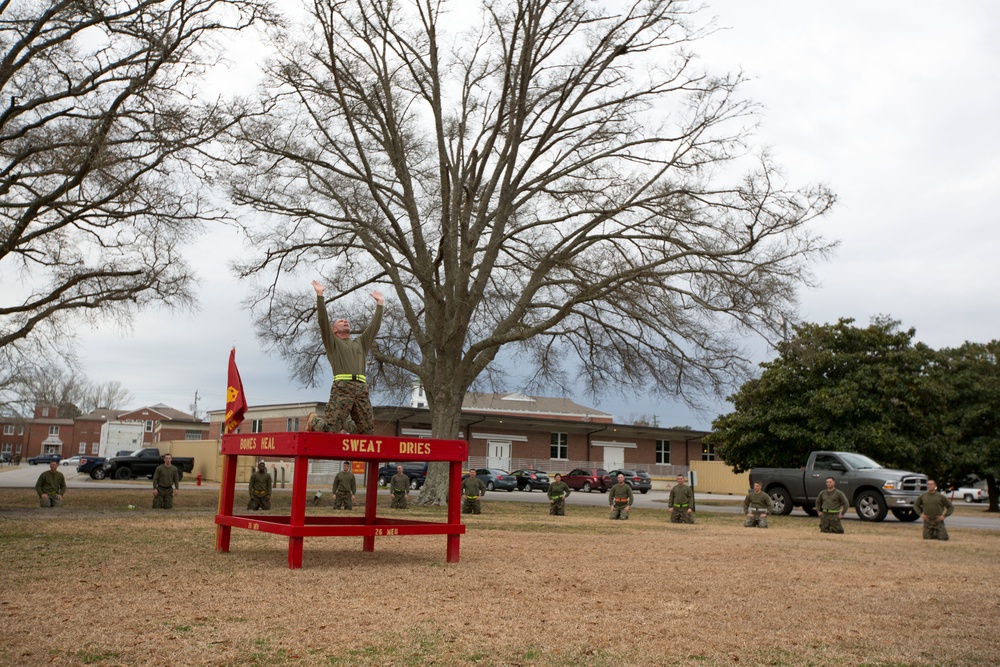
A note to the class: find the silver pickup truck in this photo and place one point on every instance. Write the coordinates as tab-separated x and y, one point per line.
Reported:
874	491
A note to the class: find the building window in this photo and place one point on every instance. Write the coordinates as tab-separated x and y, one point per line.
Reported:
292	424
663	451
20	429
8	429
149	426
94	448
192	435
53	430
7	448
257	426
83	448
708	452
560	446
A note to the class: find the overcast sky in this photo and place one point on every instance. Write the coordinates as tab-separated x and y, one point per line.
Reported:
894	105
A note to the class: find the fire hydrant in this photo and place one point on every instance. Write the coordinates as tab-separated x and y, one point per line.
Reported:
197	480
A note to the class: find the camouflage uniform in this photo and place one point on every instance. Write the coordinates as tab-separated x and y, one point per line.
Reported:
399	486
558	492
472	490
165	480
681	499
349	392
620	498
260	491
344	488
936	506
759	505
830	505
52	483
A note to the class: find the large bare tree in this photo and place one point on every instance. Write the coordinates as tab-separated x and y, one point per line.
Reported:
100	135
562	180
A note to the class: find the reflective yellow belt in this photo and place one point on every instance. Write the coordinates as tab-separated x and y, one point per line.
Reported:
472	497
832	511
676	505
340	377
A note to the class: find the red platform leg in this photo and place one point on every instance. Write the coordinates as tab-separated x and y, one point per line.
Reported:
300	480
371	502
227	490
454	507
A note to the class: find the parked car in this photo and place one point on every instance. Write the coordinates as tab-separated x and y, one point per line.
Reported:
639	480
44	458
71	461
495	478
529	480
6	457
416	471
586	479
970	494
143	463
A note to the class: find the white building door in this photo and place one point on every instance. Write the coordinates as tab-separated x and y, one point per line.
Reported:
614	458
498	454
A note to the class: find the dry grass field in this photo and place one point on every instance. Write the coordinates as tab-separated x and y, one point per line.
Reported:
95	583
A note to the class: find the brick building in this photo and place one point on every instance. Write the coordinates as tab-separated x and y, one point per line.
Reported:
46	432
512	431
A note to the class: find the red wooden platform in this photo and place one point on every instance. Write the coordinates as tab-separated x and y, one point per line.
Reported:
374	449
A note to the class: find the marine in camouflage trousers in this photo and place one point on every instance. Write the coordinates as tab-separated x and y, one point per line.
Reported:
259	501
52	501
348	398
829	522
681	515
398	501
619	513
935	530
342	501
558	506
758	518
470	505
164	498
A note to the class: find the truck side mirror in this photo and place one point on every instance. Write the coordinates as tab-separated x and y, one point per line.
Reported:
839	467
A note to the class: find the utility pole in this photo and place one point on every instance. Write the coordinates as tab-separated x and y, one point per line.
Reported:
194	406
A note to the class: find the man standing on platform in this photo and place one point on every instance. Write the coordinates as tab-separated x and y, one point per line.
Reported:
681	502
166	482
349	392
399	487
51	486
933	507
832	504
344	488
620	498
472	490
558	492
260	489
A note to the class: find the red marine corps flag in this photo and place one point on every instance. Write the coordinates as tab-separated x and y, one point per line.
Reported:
236	402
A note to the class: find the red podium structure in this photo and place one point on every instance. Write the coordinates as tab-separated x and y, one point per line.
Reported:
370	448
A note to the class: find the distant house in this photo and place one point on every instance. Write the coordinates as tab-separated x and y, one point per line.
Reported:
163	423
512	431
48	433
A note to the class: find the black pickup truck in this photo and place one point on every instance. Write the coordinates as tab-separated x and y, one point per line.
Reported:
143	464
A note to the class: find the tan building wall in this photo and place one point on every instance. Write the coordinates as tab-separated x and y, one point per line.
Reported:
718	477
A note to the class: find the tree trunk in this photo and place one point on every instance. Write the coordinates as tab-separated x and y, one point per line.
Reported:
445	420
991	489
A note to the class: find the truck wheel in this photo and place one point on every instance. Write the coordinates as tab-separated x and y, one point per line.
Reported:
586	487
810	510
905	514
383	481
414	484
871	506
782	500
123	473
643	490
968	498
97	473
